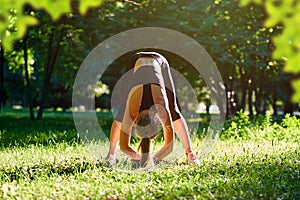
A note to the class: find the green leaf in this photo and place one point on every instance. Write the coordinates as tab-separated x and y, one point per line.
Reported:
246	2
8	42
296	86
275	14
292	65
86	4
57	8
23	22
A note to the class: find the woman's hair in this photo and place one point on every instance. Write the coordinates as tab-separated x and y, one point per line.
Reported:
147	127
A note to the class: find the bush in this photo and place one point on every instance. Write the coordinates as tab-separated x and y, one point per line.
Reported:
240	127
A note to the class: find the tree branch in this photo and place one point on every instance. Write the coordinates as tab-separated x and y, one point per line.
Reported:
133	2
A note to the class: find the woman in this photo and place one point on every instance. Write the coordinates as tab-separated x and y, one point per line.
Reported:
149	83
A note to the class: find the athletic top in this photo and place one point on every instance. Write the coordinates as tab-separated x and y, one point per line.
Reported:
147	99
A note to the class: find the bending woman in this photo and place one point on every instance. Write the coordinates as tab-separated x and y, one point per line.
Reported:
149	82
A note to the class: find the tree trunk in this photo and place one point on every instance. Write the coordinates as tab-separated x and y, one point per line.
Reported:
243	100
52	57
228	107
288	105
243	96
274	104
250	103
231	99
244	88
27	79
260	103
207	108
234	98
288	108
1	77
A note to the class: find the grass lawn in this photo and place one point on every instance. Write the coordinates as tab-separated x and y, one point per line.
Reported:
43	160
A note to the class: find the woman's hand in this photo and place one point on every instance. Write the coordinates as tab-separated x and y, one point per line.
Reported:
126	148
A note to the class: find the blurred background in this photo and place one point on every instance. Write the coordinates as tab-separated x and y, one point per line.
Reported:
254	45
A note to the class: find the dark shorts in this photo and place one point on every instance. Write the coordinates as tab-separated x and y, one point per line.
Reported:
146	75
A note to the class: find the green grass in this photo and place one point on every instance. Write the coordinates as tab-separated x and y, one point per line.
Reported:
239	167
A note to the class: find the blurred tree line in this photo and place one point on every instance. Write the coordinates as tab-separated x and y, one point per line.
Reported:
40	68
287	44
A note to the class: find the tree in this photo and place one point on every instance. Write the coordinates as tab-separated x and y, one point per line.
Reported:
15	22
2	92
27	79
59	53
232	35
287	47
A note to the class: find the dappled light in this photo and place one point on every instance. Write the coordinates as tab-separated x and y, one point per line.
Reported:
214	112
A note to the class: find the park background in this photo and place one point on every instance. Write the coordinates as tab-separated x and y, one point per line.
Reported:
255	47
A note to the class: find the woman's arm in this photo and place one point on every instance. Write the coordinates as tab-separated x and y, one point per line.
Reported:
131	112
160	99
169	142
126	148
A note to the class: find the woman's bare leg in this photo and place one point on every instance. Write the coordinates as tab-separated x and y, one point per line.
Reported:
181	130
114	139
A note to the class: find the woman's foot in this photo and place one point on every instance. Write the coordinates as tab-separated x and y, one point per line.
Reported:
111	159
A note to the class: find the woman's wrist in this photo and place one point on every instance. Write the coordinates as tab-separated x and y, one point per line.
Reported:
188	151
156	160
135	156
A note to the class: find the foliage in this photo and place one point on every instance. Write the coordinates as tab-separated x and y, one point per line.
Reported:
287	45
233	36
240	127
15	21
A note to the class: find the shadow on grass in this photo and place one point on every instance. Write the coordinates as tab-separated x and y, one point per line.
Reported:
16	129
68	167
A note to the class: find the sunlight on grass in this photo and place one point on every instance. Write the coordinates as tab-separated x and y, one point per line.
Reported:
54	164
67	171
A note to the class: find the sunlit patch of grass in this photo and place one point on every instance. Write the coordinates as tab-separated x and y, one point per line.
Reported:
264	168
248	170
